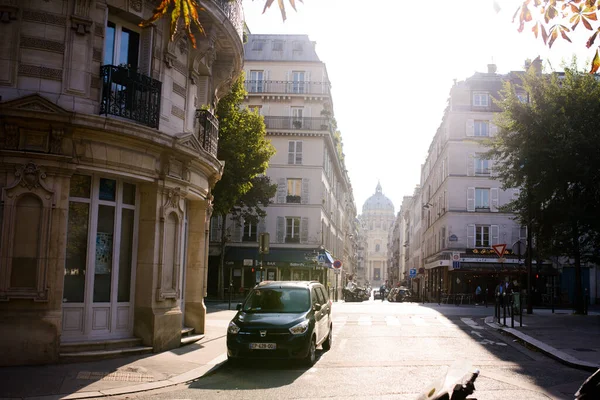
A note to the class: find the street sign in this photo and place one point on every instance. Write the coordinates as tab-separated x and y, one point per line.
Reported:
455	256
337	264
412	272
499	249
455	264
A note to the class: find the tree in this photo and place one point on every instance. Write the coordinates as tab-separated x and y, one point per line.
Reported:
243	191
548	146
551	19
186	11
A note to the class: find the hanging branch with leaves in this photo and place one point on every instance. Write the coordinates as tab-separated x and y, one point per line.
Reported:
187	10
551	19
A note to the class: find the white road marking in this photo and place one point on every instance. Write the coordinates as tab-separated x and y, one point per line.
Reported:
365	320
418	321
476	333
390	320
471	323
218	359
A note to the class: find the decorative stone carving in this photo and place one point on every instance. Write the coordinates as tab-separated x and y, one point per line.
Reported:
136	5
30	176
173	198
81	25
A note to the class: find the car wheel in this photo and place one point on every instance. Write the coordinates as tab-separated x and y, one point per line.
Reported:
327	342
311	357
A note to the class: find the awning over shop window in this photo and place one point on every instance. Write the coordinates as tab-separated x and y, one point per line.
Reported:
248	256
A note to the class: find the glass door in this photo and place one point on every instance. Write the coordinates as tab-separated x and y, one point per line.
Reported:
99	267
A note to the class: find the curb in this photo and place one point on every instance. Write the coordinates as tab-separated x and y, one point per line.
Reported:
550	351
186	377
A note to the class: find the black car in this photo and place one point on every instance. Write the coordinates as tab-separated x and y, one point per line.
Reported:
281	319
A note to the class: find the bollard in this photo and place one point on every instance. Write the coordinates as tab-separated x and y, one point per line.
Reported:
512	310
230	290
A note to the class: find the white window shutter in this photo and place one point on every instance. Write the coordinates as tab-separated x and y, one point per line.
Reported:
280	229
471	164
494	199
493	129
471	199
495	234
236	234
471	236
281	190
305	199
146	50
470	127
304	230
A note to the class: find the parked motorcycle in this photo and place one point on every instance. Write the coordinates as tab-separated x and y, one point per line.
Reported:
352	293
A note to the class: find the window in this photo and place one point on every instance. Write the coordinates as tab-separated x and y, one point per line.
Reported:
292	229
482	236
480	99
295	152
278	45
297	117
377	248
481	128
523	97
482	198
298	81
256	109
297	46
256	81
121	46
481	166
257	45
294	187
250	234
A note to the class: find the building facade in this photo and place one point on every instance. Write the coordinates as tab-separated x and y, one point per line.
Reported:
106	173
377	219
312	213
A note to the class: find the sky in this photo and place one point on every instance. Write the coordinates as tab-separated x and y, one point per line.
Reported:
392	64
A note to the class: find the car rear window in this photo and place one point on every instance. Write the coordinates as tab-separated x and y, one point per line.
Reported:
277	300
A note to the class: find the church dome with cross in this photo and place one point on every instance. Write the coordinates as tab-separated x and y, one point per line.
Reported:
378	202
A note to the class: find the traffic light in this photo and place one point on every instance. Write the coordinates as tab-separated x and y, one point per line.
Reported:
537	276
253	270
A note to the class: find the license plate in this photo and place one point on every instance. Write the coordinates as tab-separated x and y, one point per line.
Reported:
263	346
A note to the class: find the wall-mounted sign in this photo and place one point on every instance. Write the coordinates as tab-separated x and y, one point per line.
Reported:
453	238
487	251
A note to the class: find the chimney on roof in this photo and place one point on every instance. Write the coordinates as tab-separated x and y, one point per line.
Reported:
537	65
491	68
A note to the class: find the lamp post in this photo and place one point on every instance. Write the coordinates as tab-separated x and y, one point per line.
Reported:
263	248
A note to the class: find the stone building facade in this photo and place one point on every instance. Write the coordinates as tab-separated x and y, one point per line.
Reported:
107	162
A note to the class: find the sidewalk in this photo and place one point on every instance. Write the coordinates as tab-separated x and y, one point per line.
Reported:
123	375
571	339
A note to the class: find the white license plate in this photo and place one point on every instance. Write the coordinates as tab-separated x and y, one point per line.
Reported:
263	346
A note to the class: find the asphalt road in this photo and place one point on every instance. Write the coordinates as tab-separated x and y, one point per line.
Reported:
387	350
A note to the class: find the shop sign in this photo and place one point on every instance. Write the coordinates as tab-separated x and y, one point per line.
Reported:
487	252
489	260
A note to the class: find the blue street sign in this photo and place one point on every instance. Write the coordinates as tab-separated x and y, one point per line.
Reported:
456	264
412	272
322	258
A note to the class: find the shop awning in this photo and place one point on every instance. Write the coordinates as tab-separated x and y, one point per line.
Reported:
248	256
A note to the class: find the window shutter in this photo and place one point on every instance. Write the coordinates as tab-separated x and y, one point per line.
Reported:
493	129
145	64
262	225
281	190
471	236
471	199
470	128
515	232
494	199
495	234
305	194
266	78
280	229
471	164
236	235
308	89
304	230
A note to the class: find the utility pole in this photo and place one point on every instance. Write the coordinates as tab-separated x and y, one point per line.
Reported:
263	248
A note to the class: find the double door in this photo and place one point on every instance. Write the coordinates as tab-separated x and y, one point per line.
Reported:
100	259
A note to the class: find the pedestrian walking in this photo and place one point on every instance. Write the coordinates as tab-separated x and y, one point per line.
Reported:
382	290
478	295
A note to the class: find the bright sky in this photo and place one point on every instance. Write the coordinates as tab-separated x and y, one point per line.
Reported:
392	64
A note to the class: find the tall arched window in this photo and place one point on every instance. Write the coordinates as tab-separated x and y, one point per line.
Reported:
26	244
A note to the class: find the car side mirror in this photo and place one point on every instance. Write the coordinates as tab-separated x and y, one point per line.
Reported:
238	306
316	307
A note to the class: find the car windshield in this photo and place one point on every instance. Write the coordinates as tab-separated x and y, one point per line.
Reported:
277	300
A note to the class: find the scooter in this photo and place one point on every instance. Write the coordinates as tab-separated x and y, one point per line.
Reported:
459	383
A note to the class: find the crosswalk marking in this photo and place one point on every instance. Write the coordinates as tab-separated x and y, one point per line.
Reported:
365	320
418	321
446	322
471	323
390	320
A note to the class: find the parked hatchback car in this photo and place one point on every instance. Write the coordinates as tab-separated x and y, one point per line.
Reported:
281	319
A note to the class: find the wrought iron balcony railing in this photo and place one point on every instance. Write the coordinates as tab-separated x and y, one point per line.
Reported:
288	87
130	95
300	123
207	130
235	13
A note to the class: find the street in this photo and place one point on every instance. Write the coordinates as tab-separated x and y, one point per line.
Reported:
390	351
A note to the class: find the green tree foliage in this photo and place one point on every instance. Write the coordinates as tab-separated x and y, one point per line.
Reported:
243	190
549	147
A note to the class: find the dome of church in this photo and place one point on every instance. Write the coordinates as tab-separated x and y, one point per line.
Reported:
378	202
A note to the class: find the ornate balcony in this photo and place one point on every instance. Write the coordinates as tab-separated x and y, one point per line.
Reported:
131	95
288	87
207	131
298	123
235	13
